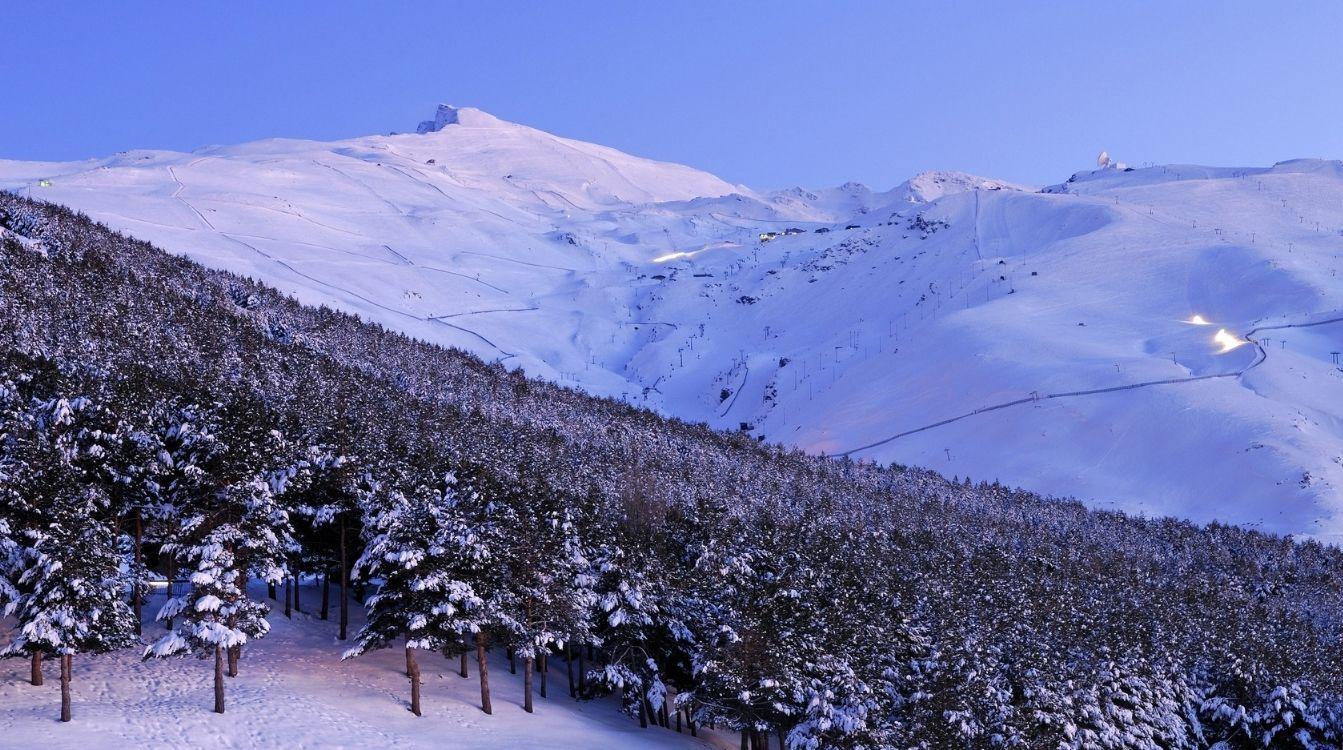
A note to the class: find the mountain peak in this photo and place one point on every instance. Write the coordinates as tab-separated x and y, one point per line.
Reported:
926	187
447	114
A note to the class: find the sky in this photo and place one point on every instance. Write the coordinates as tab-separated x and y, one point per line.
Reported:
766	94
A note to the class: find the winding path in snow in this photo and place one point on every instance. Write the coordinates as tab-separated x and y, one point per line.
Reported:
1260	358
482	312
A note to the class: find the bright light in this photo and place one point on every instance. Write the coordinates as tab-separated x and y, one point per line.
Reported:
672	256
1228	341
682	254
1198	320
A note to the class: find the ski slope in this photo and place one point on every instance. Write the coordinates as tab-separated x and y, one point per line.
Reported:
1040	338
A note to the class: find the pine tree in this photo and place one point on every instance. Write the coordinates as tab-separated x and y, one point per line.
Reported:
747	648
10	555
64	587
12	502
133	470
329	500
638	599
427	553
232	527
1120	707
1244	713
544	596
72	601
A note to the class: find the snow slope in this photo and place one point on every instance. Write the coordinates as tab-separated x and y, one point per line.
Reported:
843	320
294	692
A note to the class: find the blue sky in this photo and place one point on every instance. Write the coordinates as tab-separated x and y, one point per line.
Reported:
768	94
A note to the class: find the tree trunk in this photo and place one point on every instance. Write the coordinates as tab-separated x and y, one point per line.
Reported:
582	674
219	680
643	713
410	658
569	666
66	667
413	671
270	590
678	721
544	667
298	589
690	722
170	568
484	668
463	669
744	744
527	684
344	583
326	592
289	597
234	653
36	677
137	600
512	663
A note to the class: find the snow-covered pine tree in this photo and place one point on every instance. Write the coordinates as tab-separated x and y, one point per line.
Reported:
12	424
749	652
637	617
187	452
631	630
798	641
72	599
861	661
1123	707
1292	717
134	471
544	597
428	553
329	503
10	552
65	587
131	467
232	527
38	439
1245	712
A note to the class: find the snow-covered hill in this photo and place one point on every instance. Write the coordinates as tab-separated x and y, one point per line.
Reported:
842	320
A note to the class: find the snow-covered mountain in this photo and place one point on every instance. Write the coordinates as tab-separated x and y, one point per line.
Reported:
977	327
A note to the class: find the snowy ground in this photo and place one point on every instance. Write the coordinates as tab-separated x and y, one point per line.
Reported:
880	317
294	692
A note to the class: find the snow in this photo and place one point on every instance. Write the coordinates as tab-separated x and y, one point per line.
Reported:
208	603
934	303
294	692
